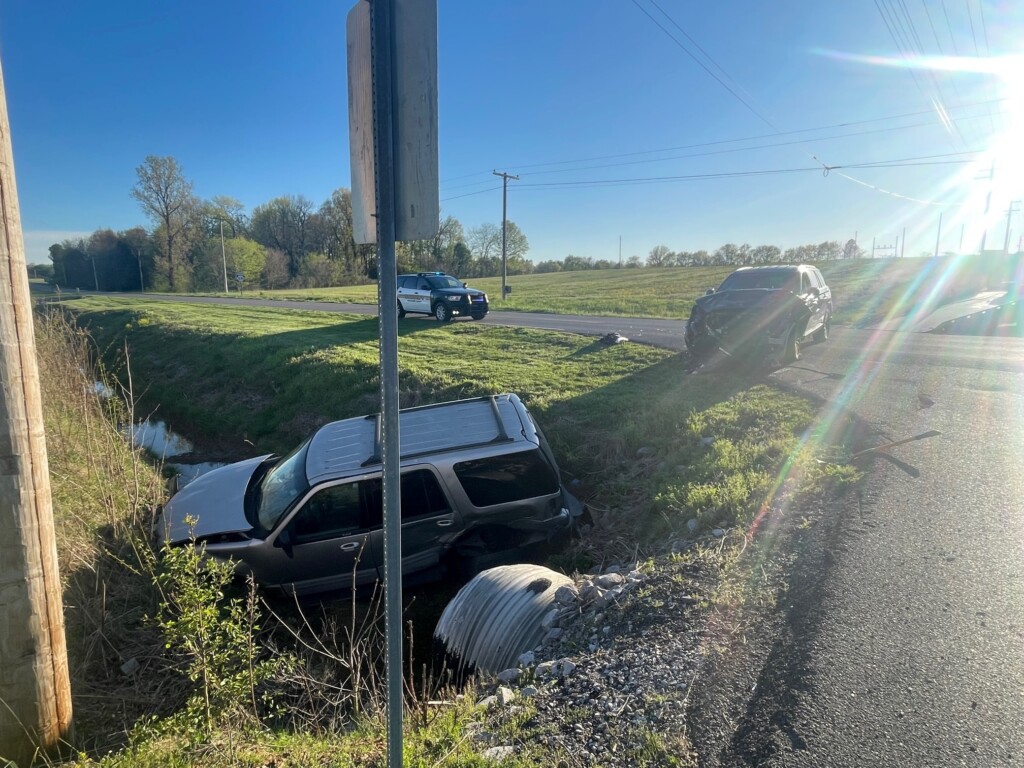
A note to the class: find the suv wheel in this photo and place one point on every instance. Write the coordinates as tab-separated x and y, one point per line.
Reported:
822	333
401	310
792	351
442	313
478	315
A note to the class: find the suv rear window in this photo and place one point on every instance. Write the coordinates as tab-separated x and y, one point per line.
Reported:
501	479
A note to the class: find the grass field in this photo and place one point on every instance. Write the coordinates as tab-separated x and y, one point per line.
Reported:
863	290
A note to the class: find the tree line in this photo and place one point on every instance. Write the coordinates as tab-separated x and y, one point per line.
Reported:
728	254
288	242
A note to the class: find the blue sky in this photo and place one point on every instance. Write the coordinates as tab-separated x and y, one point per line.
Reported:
251	99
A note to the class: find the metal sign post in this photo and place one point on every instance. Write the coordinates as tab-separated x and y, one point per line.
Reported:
392	54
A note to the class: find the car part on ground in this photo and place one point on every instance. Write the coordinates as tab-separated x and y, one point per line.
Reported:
479	484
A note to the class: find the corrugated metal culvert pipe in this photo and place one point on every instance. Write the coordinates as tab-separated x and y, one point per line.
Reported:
496	617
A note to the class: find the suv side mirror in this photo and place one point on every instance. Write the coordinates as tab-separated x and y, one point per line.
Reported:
709	291
285	540
814	291
465	285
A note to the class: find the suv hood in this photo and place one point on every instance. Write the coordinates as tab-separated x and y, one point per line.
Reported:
215	500
738	299
460	292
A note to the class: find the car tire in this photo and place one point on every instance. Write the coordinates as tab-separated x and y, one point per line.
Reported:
401	311
791	353
821	334
478	315
442	313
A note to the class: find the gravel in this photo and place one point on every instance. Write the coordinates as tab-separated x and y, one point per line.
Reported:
617	665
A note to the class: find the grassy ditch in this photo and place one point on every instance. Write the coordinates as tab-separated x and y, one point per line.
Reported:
651	446
864	290
640	434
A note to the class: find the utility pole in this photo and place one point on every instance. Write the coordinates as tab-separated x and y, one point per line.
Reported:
903	247
620	250
988	202
504	227
1009	216
223	257
35	695
95	278
938	235
872	247
138	257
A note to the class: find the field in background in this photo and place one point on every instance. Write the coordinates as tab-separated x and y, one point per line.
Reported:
864	290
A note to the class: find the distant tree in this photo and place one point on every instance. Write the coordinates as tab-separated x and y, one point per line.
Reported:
231	212
605	264
166	197
461	260
727	254
851	250
765	254
275	269
659	256
41	272
633	262
828	251
331	231
575	263
484	241
141	247
542	267
442	246
284	225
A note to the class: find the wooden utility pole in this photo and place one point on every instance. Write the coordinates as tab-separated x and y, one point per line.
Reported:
1009	216
35	695
504	224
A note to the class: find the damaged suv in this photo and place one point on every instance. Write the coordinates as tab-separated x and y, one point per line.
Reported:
479	487
769	311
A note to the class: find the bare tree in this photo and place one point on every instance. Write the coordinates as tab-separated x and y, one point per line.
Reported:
659	256
166	196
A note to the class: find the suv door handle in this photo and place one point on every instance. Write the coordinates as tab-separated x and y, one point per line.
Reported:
350	546
444	522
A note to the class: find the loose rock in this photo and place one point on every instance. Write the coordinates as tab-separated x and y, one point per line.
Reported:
509	675
497	754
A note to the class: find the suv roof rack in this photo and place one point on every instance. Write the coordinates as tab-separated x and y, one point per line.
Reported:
501	437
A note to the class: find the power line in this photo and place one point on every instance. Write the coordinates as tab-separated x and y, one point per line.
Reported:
724	151
470	194
897	163
718	142
984	26
970	17
703	66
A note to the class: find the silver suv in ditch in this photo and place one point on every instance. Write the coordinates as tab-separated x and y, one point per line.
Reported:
479	487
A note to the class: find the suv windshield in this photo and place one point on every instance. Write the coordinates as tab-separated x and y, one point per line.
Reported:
283	484
444	281
760	278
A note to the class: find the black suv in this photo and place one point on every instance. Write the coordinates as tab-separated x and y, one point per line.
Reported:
762	309
440	295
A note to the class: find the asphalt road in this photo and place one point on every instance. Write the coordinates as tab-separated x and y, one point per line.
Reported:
906	647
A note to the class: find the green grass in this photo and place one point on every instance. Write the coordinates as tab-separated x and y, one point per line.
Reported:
863	290
627	420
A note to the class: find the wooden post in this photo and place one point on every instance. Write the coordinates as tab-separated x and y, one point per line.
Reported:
35	695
